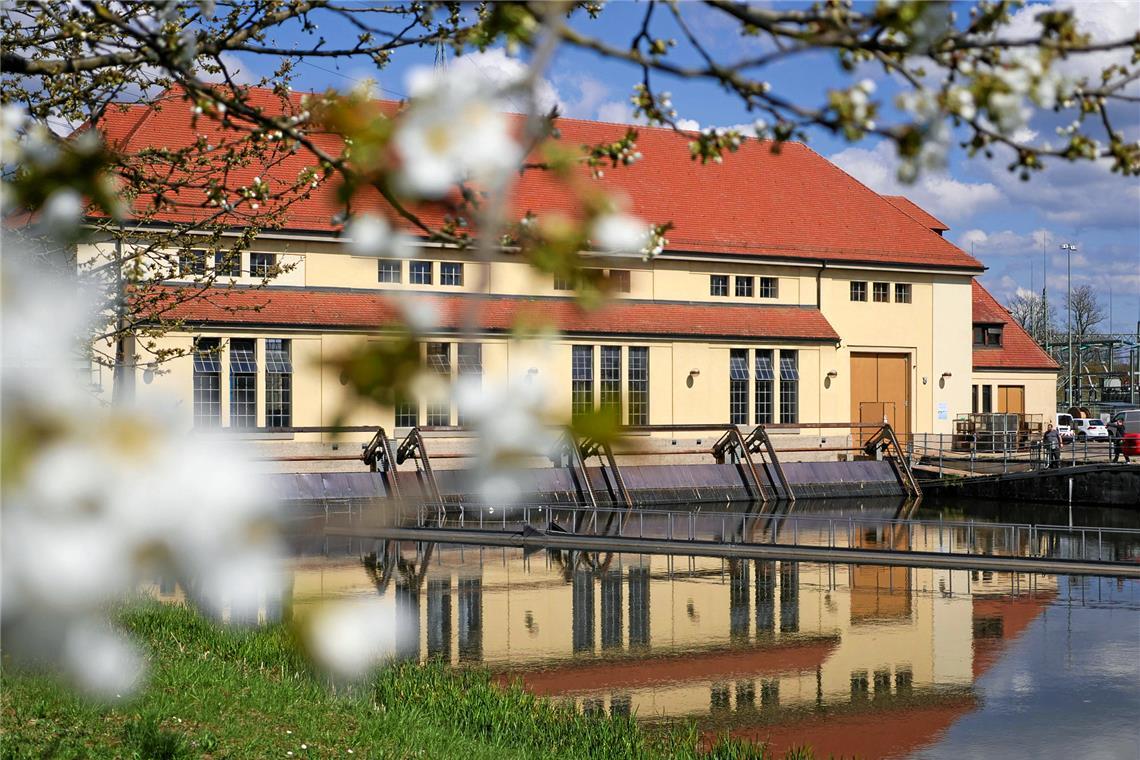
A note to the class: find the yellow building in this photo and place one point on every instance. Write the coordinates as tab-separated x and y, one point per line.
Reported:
788	293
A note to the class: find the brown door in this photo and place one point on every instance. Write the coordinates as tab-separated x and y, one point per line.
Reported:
880	388
1011	399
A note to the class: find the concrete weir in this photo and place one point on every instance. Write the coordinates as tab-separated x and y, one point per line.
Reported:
743	468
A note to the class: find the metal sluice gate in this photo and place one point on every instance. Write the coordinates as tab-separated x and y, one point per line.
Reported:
743	468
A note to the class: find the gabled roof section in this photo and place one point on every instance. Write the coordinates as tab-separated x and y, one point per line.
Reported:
367	311
787	205
1018	350
917	212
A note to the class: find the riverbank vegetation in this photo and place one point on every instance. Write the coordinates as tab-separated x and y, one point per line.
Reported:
224	693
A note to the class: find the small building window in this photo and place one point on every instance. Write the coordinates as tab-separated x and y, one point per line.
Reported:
451	273
987	399
974	400
718	285
858	291
764	384
789	387
581	381
419	272
738	386
263	265
619	280
278	383
407	412
881	292
227	263
561	283
192	263
638	385
609	385
243	383
744	287
902	292
769	287
987	335
389	271
207	383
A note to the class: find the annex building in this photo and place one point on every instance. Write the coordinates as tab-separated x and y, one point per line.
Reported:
789	292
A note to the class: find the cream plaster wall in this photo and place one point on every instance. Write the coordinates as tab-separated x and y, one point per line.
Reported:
1040	389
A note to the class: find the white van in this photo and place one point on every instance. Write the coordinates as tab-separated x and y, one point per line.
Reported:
1064	425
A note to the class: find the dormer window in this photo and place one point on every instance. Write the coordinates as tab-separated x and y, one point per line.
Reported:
987	335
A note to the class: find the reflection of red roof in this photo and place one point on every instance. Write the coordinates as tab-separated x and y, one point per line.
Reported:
636	672
1017	350
788	205
897	733
1015	614
371	310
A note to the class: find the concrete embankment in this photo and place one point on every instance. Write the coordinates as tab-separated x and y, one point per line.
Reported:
1099	485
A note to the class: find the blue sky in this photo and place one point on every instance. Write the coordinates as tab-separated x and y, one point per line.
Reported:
1014	227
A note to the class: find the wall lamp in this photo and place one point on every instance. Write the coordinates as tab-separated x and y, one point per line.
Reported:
947	374
694	372
833	374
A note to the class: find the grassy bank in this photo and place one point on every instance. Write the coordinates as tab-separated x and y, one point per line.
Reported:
235	694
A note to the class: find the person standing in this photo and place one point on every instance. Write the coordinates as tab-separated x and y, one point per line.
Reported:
1117	431
1052	442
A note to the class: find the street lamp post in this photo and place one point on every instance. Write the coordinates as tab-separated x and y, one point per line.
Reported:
1069	249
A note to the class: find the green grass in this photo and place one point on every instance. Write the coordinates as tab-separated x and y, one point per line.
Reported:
222	693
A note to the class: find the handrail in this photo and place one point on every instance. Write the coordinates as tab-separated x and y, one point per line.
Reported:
413	446
886	434
732	436
759	441
378	451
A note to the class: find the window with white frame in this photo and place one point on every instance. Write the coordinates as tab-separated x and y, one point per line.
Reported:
902	292
718	285
881	292
789	387
263	265
744	287
769	287
609	385
389	271
765	378
419	272
581	381
243	383
738	386
858	291
207	383
278	383
638	385
470	368
439	362
227	263
451	273
192	263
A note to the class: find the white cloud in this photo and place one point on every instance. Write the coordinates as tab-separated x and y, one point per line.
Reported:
616	111
942	195
690	124
581	94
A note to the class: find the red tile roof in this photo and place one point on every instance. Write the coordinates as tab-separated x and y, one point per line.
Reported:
916	212
793	204
1018	350
376	310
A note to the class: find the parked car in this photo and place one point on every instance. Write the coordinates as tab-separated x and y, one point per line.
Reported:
1131	420
1090	429
1064	424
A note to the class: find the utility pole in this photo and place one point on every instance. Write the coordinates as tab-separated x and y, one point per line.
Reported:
1070	249
1044	292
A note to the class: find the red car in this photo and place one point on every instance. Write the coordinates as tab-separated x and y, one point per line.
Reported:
1131	442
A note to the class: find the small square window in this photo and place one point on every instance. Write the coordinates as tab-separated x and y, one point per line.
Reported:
718	285
744	287
227	263
619	280
562	284
858	291
902	292
419	273
192	263
389	271
769	287
263	265
881	292
451	273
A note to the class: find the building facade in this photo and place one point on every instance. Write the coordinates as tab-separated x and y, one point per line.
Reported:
788	293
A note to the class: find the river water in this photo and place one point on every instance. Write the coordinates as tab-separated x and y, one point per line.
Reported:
876	662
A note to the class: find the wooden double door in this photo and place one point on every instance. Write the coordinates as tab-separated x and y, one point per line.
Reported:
880	389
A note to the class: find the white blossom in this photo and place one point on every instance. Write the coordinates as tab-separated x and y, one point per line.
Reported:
350	638
620	234
454	130
371	235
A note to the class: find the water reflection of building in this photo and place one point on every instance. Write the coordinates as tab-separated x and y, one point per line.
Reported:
776	651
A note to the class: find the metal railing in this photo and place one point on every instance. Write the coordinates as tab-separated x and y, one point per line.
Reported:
956	537
1000	456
